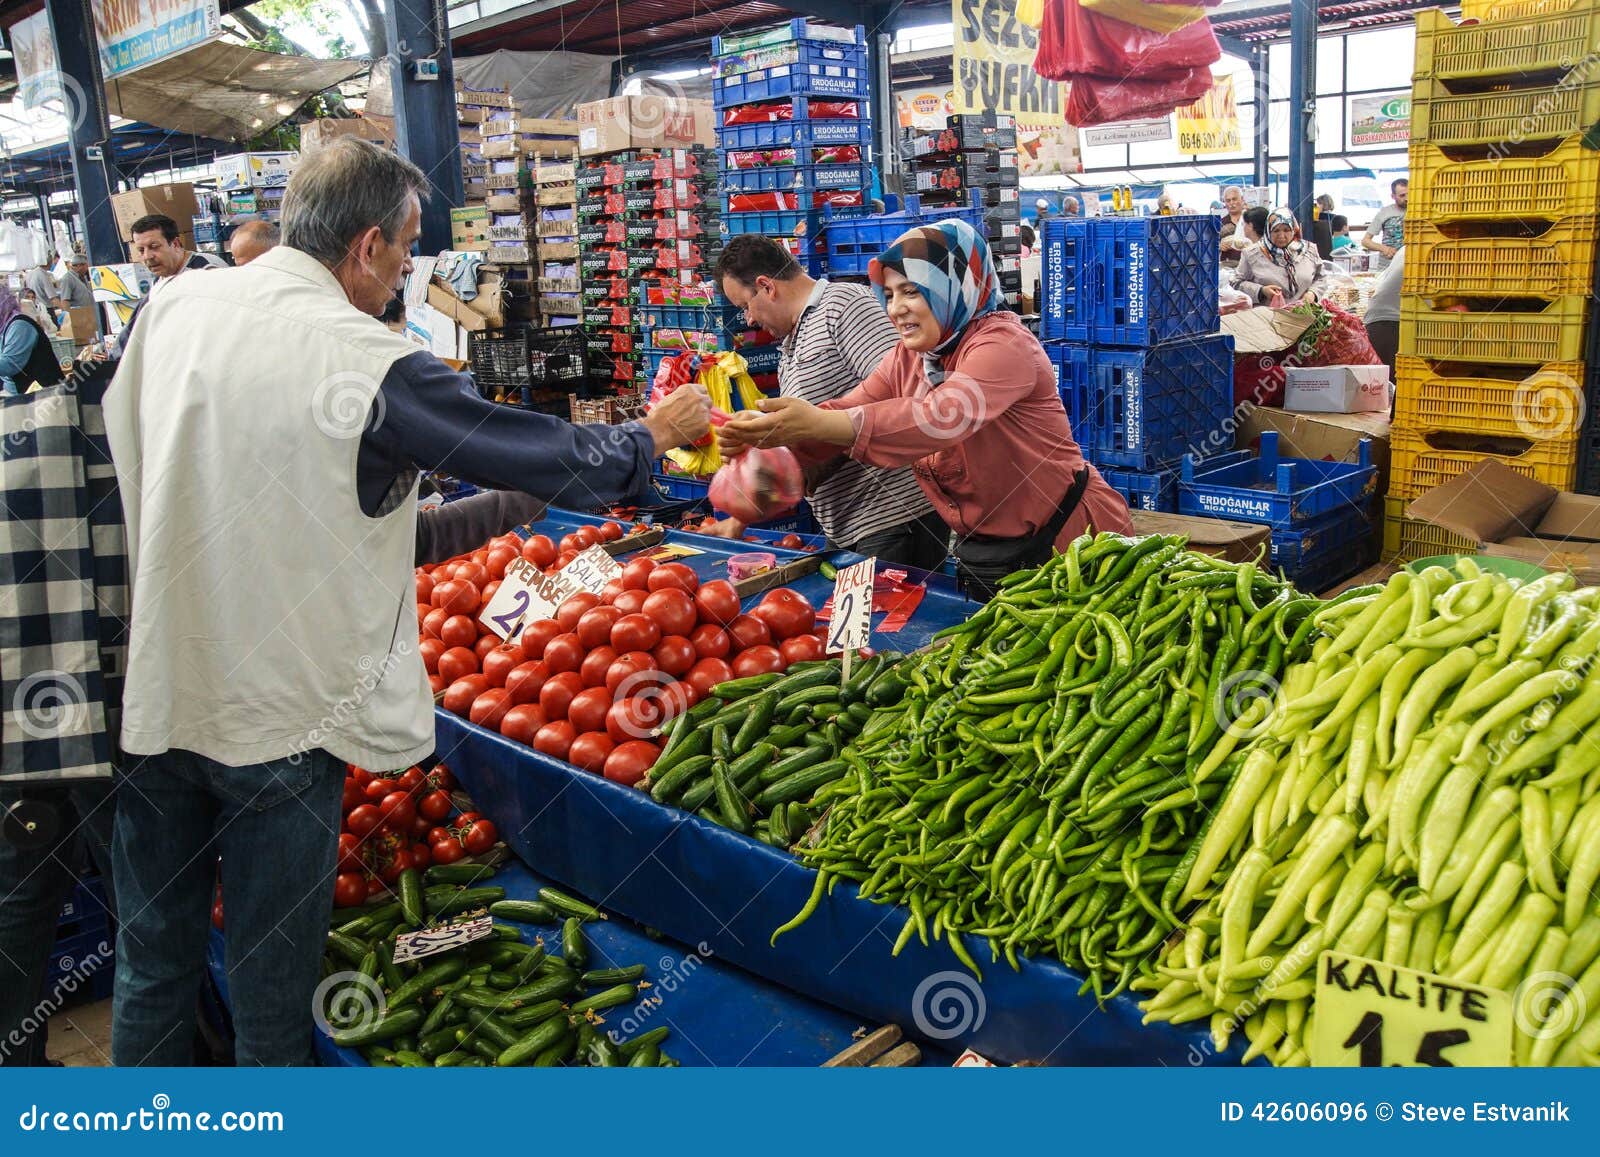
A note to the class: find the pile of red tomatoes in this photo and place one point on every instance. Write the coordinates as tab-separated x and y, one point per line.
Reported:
593	684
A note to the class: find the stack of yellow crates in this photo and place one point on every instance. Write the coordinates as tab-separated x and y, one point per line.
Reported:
1499	252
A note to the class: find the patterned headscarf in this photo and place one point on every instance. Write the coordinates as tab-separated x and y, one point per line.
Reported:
10	307
1288	255
950	264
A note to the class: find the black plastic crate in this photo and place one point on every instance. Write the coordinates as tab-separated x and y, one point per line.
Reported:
556	357
500	364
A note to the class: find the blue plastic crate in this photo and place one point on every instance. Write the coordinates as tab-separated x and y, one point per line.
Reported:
800	113
1155	490
825	81
762	359
1071	362
852	237
806	134
678	488
1066	308
709	318
85	908
81	967
774	223
1147	407
797	521
1339	532
797	54
798	28
1331	569
1284	493
796	178
1155	278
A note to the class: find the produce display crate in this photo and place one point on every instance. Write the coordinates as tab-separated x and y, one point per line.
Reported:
1446	117
1347	532
827	81
607	411
499	360
682	487
1553	333
796	110
851	238
1066	310
1516	9
796	29
774	223
1540	402
806	134
1153	490
1130	281
805	55
796	178
1331	569
1538	44
1420	461
1554	261
556	356
1074	380
1406	539
1147	406
1282	492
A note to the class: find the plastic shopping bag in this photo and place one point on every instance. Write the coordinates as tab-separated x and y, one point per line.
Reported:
1094	101
1075	43
1158	17
758	485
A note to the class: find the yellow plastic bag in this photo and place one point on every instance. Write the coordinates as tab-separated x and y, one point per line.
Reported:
1166	18
715	378
1030	12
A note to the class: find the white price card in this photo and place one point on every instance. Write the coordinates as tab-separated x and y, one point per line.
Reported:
592	569
525	595
850	626
476	925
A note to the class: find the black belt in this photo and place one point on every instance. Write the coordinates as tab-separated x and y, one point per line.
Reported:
983	560
1064	511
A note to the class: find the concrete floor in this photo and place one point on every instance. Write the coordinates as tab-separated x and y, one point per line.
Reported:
80	1036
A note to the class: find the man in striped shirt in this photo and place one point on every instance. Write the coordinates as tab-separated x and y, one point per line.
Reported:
834	334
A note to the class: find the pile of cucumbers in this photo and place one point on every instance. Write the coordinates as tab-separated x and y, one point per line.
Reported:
753	754
499	1001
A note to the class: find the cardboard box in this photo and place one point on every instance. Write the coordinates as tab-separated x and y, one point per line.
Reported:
481	313
255	170
1263	330
1337	389
1513	517
319	134
82	324
175	201
502	126
644	122
1233	541
1324	437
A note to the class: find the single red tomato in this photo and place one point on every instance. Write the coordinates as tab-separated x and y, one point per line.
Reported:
717	602
791	542
484	646
635	633
472	572
435	684
459	631
419	828
558	692
399	810
594	628
460	695
435	805
430	650
589	751
555	738
363	820
707	673
390	870
539	550
674	654
499	558
673	575
710	641
377	788
349	890
563	560
628	762
478	837
500	662
421	855
588	709
441	777
748	631
489	708
563	653
446	851
423	611
585	537
672	609
537	635
636	574
757	660
675	699
609	592
801	649
456	663
457	597
410	780
594	666
489	588
786	614
360	774
632	718
630	602
568	545
433	621
424	588
576	606
610	531
376	888
522	723
632	673
354	794
350	852
526	680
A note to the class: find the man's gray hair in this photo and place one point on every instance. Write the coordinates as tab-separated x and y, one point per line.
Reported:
342	191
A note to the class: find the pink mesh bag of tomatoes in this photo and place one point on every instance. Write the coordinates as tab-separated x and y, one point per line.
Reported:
758	485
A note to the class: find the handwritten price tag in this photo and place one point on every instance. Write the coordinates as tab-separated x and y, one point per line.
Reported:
526	595
850	625
1374	1015
461	931
592	569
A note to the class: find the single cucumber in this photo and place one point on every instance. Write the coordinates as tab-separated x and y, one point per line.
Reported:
489	1026
427	980
789	764
395	1023
603	976
666	788
573	950
828	571
792	705
556	1054
462	874
523	911
570	905
749	685
802	784
652	1037
463	900
411	897
535	1041
730	804
756	723
529	1015
646	1058
609	998
349	947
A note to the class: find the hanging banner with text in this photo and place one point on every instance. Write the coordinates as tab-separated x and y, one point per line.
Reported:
1380	120
136	33
1129	132
994	53
1211	124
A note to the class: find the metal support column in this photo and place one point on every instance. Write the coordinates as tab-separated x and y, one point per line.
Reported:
82	94
1302	106
885	114
1260	63
43	201
425	110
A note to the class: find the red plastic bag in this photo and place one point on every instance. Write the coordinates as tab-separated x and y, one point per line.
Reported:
833	110
758	485
762	202
758	114
1074	43
1093	101
759	158
836	155
840	197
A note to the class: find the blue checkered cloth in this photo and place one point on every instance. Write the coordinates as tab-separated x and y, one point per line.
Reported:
63	585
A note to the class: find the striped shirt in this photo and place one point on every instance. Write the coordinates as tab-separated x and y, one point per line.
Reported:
839	340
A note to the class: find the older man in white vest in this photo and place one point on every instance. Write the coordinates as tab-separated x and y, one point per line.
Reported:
268	432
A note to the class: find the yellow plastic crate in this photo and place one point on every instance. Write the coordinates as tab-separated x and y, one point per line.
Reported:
1500	337
1406	539
1498	10
1460	260
1419	462
1563	182
1506	117
1543	42
1540	403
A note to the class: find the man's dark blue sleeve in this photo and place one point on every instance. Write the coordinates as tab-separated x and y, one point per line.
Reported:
430	416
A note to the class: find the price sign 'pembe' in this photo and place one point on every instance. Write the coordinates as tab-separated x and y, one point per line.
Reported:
527	595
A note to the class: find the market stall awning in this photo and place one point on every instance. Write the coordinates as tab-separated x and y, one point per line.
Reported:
224	91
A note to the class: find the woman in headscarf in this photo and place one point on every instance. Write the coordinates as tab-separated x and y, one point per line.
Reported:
969	401
25	352
1282	269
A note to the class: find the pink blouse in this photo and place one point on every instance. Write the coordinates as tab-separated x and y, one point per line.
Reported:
991	445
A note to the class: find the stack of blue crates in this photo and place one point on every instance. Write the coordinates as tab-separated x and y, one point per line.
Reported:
82	962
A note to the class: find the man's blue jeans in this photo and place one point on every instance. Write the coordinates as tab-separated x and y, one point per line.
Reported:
33	886
276	828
